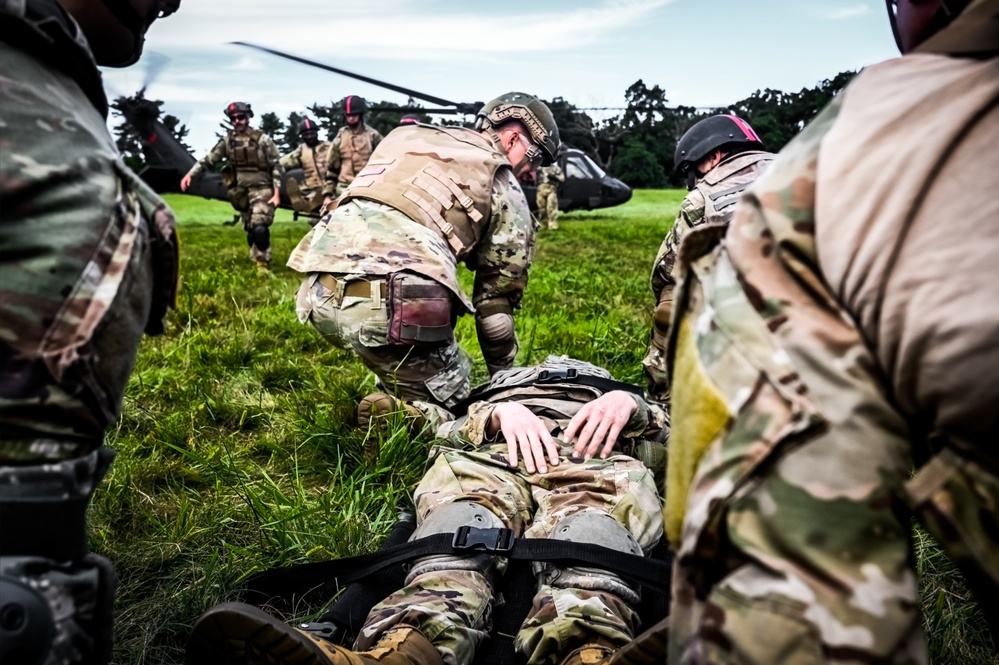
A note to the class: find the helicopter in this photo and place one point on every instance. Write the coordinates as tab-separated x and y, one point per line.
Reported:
586	185
167	160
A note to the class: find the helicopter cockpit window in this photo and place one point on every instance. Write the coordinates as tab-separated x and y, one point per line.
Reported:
599	172
575	167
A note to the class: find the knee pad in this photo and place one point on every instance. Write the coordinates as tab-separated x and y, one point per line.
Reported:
599	529
447	519
497	338
259	236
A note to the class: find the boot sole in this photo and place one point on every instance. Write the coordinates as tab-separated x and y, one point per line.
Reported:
240	634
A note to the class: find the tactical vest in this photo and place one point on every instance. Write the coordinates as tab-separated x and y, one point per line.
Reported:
543	381
242	150
355	151
735	174
439	177
314	165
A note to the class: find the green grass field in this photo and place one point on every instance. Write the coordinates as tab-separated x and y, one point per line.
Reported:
237	450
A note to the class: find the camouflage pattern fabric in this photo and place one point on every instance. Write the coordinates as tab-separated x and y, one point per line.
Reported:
312	160
362	237
349	151
712	201
453	608
547	196
268	173
88	261
438	375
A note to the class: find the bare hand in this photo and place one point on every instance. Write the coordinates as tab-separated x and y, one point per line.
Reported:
276	199
327	201
185	182
524	431
597	425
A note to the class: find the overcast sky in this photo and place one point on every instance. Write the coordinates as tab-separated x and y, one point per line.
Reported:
702	52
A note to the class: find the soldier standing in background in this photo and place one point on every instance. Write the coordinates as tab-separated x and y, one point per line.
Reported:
720	156
88	261
839	335
310	156
549	178
382	267
550	452
350	149
253	176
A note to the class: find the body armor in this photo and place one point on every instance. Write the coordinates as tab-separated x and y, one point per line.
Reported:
355	150
314	165
440	178
737	172
242	150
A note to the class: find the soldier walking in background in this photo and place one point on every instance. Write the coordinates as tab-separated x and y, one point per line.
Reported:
351	148
549	453
310	156
382	267
835	365
720	156
88	262
549	178
252	175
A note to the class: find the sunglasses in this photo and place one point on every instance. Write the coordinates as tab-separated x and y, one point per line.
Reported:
239	117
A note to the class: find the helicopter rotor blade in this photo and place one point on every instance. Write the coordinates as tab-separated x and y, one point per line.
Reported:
390	86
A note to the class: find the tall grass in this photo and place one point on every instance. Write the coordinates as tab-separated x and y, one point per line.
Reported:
237	447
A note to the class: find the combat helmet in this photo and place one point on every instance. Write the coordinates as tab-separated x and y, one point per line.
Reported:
239	107
710	134
529	110
947	11
309	131
137	24
409	119
354	105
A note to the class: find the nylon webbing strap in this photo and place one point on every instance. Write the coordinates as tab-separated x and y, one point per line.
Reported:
300	579
569	375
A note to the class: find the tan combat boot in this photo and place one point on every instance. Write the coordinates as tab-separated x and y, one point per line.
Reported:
373	417
240	634
591	654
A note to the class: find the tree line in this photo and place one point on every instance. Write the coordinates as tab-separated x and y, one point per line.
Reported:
636	146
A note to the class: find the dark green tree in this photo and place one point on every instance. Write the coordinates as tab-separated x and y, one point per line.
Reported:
638	166
274	127
290	137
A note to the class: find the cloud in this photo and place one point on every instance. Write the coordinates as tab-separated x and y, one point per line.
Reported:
321	28
843	12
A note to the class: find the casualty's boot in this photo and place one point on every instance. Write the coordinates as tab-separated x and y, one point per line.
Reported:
591	654
374	413
263	266
240	634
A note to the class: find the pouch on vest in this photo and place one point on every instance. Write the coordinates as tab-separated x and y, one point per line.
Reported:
419	311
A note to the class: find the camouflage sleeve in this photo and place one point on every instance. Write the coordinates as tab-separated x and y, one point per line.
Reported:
208	162
557	172
271	157
504	255
690	214
293	159
470	428
332	166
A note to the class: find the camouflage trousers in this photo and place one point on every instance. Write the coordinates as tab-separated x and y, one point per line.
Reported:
547	200
259	213
453	607
438	374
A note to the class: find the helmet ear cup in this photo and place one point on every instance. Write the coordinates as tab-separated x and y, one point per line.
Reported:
531	112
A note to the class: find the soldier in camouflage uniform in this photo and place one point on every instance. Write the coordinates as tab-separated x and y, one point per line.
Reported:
720	156
88	262
382	267
253	176
310	156
540	457
832	340
549	179
351	148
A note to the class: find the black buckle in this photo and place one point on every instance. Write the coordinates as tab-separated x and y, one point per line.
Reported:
557	375
327	631
489	540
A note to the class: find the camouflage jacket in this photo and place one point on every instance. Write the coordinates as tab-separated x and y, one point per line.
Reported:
818	356
73	215
267	171
500	244
550	175
311	160
349	151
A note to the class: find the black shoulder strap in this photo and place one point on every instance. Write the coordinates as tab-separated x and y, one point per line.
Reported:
547	376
